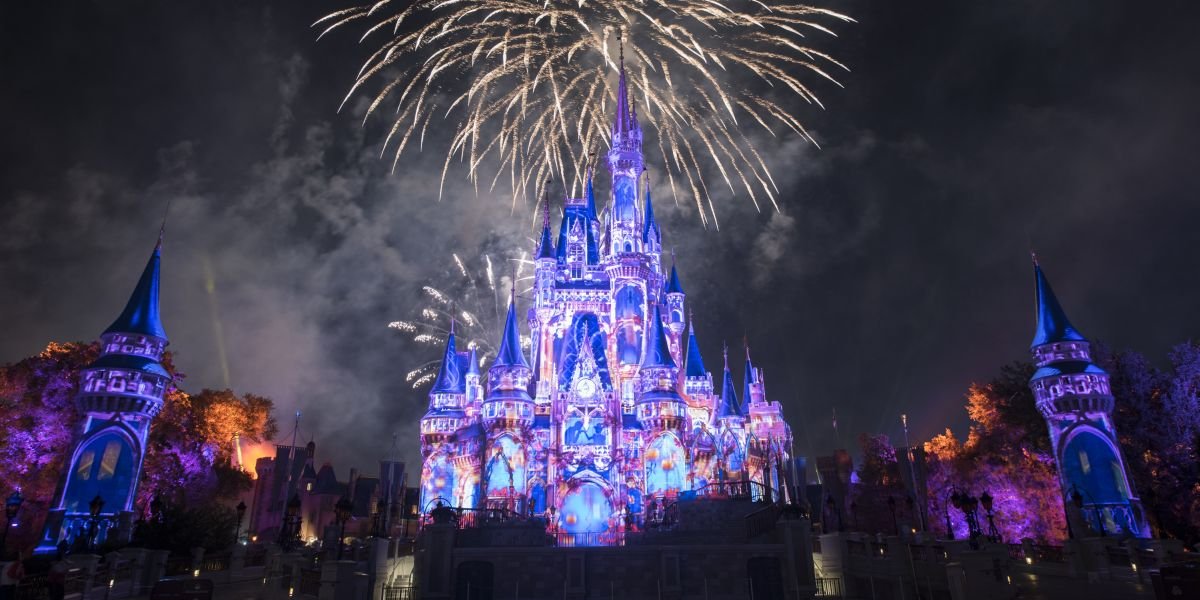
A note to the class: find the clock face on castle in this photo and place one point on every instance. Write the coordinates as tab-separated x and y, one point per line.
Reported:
586	388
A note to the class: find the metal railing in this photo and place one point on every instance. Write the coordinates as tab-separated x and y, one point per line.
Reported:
399	592
215	562
828	587
1044	553
583	539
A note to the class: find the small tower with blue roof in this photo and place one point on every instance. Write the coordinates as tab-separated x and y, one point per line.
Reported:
1074	397
507	418
119	395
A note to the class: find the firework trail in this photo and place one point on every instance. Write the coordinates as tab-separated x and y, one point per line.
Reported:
531	84
475	301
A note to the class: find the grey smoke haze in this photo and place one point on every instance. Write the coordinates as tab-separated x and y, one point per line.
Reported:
895	274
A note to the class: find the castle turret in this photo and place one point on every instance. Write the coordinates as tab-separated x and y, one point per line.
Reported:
659	405
447	397
508	404
120	393
1073	395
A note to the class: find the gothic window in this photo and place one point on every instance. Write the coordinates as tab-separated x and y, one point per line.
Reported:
105	467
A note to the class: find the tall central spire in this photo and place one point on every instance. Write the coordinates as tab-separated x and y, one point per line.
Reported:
625	159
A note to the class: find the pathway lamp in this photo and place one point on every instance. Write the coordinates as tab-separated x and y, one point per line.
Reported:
11	507
94	507
241	513
342	511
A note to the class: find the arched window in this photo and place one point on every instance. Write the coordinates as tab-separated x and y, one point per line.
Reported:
105	467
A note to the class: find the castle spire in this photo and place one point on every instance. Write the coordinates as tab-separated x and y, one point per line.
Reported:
1052	323
649	225
729	401
450	378
626	118
141	316
510	354
546	244
658	353
673	285
694	364
751	375
590	195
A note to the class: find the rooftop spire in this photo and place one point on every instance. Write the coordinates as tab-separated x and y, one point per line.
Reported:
590	194
729	401
751	376
141	311
658	353
673	285
626	118
648	223
1052	323
694	365
510	354
449	379
546	244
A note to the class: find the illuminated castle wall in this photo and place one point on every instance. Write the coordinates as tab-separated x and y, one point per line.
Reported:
119	394
1072	393
612	414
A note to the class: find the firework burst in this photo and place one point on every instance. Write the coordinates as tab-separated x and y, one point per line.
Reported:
474	301
529	85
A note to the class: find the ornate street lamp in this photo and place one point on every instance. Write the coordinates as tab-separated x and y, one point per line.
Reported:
378	525
993	534
11	507
949	528
891	502
241	512
95	506
342	511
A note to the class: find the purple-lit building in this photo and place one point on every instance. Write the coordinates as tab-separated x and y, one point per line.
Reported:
119	395
1072	393
612	414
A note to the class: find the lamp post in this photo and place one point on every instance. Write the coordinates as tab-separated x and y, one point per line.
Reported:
1077	498
891	502
11	507
833	509
95	506
986	500
380	510
912	473
289	530
342	511
241	513
949	528
854	514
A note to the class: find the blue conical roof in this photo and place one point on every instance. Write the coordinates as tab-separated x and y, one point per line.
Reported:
546	244
751	377
141	312
450	379
729	401
673	285
510	354
1052	323
694	365
626	117
648	222
473	362
658	353
591	197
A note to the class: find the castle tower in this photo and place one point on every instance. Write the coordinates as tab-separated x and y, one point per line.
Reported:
663	415
119	395
625	164
1072	393
507	417
731	430
450	456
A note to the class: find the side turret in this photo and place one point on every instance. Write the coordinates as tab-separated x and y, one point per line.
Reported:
508	404
447	397
1073	395
659	405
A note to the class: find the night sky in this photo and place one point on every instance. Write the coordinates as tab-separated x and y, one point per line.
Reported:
896	273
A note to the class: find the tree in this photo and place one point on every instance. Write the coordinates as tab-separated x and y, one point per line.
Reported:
1007	454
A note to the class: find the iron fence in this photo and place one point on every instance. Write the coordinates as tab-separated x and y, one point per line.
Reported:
828	587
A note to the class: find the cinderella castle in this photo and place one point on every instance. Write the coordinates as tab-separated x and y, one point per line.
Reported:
613	414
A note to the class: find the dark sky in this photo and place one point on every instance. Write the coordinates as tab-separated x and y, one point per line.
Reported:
896	273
